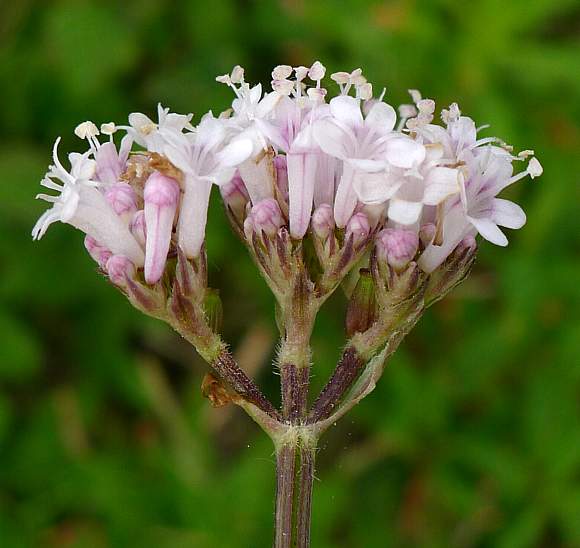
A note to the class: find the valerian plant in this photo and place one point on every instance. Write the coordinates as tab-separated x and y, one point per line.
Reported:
323	193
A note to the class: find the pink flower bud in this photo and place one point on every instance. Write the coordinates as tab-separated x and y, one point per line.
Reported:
281	168
427	233
137	227
99	253
161	197
267	217
119	269
322	221
249	228
235	195
121	196
397	246
358	227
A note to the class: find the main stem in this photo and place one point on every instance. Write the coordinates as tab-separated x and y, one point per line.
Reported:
295	477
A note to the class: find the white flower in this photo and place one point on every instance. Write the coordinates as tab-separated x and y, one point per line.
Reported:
205	159
81	204
151	135
365	145
408	190
478	210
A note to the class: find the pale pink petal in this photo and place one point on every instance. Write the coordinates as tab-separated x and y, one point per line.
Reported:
333	139
404	152
440	183
404	212
489	230
301	180
193	215
346	198
346	109
381	118
508	214
235	153
375	188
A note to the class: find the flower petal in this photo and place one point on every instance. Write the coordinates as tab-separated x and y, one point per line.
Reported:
489	230
381	118
508	214
404	152
346	109
375	188
332	139
235	153
440	183
404	212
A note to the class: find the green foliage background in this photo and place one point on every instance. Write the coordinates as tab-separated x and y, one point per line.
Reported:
472	437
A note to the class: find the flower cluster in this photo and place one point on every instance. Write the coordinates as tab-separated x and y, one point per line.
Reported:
292	159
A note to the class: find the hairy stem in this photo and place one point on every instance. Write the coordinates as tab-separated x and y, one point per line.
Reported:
295	478
347	370
285	471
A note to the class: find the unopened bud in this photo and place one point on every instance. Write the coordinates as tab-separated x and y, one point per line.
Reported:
427	233
452	271
161	196
322	221
267	217
121	197
137	227
119	268
99	253
235	195
361	309
358	228
397	246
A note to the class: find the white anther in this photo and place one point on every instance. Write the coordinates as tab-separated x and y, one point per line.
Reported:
317	71
407	111
224	79
535	169
426	106
340	77
237	75
281	72
415	95
86	130
365	91
108	128
525	154
301	73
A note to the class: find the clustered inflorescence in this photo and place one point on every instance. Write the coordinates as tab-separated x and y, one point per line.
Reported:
317	188
323	192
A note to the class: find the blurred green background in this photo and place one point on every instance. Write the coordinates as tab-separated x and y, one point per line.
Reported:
472	438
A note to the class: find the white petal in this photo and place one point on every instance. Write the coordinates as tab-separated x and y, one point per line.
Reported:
381	118
404	153
508	214
345	200
332	139
179	158
375	188
404	212
370	166
440	183
489	230
193	216
236	152
346	109
267	104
